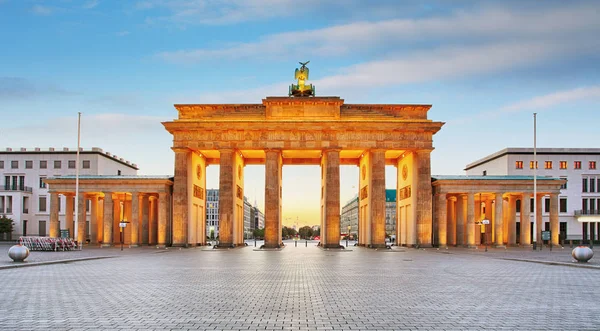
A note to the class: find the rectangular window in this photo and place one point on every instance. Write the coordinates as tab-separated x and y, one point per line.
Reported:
42	184
546	205
43	164
548	165
584	206
563	205
577	165
563	165
14	164
42	207
592	165
57	164
59	203
519	164
531	205
86	164
592	185
28	164
564	186
592	206
71	164
1	164
518	206
533	164
584	185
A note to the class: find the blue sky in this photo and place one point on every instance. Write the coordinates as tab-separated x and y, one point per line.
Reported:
485	66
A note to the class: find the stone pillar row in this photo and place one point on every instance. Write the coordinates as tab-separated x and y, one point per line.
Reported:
146	214
456	227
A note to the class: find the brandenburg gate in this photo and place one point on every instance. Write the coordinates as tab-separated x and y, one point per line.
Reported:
302	129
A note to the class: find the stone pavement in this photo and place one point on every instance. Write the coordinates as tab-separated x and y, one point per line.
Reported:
302	288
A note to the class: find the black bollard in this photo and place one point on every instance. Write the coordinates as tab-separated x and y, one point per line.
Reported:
295	243
306	244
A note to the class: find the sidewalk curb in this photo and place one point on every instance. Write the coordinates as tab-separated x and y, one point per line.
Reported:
564	264
33	264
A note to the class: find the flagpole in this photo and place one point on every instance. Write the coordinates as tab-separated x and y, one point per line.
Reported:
535	232
79	240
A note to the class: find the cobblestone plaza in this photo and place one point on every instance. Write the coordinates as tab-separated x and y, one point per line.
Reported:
301	288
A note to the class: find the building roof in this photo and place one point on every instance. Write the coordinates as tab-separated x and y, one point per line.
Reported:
464	177
65	150
529	151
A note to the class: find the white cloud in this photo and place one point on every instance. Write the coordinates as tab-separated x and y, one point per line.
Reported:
489	24
554	99
122	33
42	10
91	4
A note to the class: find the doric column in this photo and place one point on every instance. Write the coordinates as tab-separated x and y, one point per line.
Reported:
152	220
181	196
332	199
273	164
69	204
488	227
135	218
54	223
145	228
525	239
81	220
452	221
94	219
498	221
471	220
162	219
378	198
117	217
512	234
226	197
441	208
460	220
424	204
538	219
107	239
554	228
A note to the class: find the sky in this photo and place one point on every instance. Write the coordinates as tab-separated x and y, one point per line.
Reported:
485	66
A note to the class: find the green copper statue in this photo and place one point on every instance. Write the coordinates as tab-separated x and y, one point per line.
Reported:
301	89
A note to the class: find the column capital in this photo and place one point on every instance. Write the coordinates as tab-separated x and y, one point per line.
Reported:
181	150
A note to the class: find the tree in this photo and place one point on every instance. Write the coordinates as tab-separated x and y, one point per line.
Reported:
287	232
259	233
305	232
6	226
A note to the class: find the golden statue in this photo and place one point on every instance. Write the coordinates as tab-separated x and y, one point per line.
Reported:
301	89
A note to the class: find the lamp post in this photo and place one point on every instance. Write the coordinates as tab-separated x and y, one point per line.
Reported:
122	226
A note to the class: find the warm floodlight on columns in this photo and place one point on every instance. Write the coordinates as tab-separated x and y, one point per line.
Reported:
331	198
273	172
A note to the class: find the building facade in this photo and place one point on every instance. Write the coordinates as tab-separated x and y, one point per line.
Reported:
253	217
349	215
579	198
24	195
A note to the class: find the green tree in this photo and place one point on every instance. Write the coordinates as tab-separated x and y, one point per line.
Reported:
305	232
6	225
259	233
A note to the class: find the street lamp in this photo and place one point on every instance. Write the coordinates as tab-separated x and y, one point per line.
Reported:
122	226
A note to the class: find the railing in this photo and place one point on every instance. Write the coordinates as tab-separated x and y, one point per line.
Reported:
17	188
582	212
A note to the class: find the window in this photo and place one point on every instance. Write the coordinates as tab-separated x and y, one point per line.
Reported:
519	165
577	165
57	164
43	164
86	164
592	165
531	205
548	165
533	164
1	164
584	185
42	184
546	205
563	165
564	186
14	164
592	185
518	206
42	207
71	164
118	172
485	172
584	206
563	205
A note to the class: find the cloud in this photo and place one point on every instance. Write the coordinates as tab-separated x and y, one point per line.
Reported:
193	12
554	99
476	26
14	88
122	33
42	10
91	4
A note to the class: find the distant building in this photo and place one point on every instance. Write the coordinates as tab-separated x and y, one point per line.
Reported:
253	217
579	198
349	215
24	196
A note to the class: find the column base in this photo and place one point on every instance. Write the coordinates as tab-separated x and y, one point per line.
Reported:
499	246
424	246
270	246
133	245
443	247
334	246
106	245
377	246
471	246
